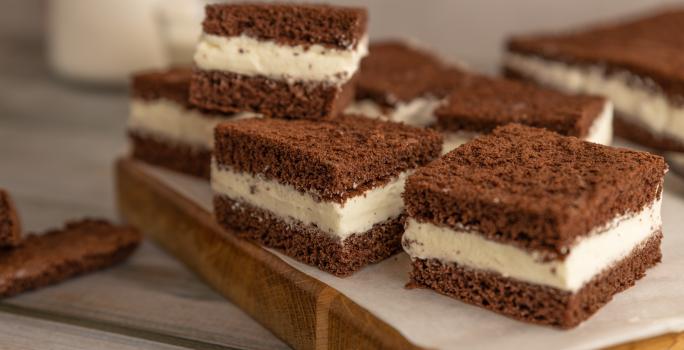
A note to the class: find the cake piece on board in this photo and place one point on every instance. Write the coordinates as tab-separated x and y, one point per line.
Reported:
279	60
478	104
165	129
637	63
537	226
327	193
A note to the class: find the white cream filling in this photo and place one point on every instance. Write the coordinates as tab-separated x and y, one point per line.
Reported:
600	131
453	139
169	120
249	56
417	112
587	258
630	95
357	214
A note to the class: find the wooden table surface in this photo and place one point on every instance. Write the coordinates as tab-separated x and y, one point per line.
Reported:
57	146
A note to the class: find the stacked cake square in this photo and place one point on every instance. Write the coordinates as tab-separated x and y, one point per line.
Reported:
534	225
279	60
637	63
165	129
479	104
327	193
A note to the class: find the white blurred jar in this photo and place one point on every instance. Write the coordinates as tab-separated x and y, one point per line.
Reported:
180	26
103	41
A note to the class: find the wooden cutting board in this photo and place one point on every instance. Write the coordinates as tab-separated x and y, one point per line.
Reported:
300	310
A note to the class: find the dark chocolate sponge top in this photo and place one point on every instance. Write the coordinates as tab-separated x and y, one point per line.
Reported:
334	159
650	47
395	72
533	188
289	24
480	104
172	84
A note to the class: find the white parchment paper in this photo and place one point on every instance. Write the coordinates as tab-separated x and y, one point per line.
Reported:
654	306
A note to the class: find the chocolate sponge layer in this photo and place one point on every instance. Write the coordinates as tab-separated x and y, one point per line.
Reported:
234	93
309	244
172	84
177	156
289	24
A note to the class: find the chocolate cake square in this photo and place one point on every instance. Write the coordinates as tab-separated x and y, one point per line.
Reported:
402	83
478	104
536	226
279	60
327	193
165	129
80	247
637	63
10	226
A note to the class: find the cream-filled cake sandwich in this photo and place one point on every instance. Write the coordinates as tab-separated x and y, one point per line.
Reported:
636	63
279	60
478	104
536	226
165	129
327	193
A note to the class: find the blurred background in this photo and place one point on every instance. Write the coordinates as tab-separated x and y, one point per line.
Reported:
103	40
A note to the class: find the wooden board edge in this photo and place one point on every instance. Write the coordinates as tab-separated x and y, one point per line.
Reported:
300	310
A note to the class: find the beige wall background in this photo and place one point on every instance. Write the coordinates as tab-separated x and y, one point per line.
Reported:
474	31
470	31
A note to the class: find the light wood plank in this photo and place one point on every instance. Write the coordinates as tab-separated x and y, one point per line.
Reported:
155	294
21	333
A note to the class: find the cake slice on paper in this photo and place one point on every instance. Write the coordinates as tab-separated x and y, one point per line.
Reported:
327	193
537	226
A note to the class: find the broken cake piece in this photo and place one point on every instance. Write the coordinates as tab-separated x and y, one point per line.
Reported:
10	226
80	247
165	129
636	63
537	226
327	193
279	60
478	104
